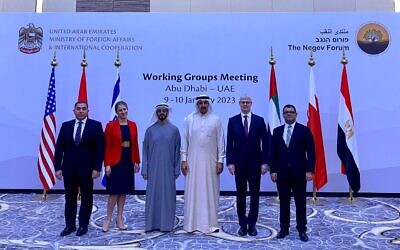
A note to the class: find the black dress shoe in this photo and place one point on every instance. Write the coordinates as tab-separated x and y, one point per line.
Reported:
67	231
81	231
242	231
303	236
252	231
282	234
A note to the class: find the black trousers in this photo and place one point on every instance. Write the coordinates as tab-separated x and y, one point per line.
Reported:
298	186
251	178
72	185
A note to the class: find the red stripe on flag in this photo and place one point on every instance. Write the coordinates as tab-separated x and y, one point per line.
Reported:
82	96
46	164
273	91
344	89
314	123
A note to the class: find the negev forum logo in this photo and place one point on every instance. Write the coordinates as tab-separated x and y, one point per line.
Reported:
373	38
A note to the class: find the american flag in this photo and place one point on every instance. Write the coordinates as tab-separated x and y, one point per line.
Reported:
47	138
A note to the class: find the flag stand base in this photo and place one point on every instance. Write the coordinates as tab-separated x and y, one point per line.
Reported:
277	200
316	201
352	201
45	196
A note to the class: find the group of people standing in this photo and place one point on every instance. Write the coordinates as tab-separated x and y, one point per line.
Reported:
199	155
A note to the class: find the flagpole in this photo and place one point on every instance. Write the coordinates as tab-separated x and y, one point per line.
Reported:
84	64
117	62
272	62
53	64
351	197
311	63
344	61
114	99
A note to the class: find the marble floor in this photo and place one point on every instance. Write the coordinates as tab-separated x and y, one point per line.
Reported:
29	222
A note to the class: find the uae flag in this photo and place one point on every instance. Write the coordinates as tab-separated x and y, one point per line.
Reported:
274	118
314	123
346	137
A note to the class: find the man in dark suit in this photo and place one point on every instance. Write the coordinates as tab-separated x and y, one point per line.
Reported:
292	165
246	157
78	158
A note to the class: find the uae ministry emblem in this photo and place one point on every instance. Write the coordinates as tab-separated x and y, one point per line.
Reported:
30	39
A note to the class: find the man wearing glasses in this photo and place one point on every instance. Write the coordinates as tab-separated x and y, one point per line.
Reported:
292	165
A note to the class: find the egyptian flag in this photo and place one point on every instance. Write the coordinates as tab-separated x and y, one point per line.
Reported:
346	137
82	94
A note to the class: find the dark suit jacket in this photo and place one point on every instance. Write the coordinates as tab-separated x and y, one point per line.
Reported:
83	158
299	156
250	151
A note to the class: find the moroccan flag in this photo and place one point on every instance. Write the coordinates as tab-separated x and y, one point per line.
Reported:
47	138
274	118
82	96
346	137
116	97
314	123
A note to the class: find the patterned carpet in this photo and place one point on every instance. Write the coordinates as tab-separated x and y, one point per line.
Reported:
28	222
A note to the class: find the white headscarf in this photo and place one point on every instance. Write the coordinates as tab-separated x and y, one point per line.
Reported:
202	98
190	117
154	117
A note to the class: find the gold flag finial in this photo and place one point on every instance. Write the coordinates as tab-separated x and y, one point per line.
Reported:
117	62
344	60
84	63
311	61
54	62
272	60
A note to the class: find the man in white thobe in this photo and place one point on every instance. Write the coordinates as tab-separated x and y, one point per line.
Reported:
202	154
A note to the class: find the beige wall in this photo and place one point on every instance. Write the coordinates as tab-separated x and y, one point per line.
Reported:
200	5
17	5
59	5
270	5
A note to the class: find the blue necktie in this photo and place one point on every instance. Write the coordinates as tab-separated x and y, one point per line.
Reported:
78	133
288	135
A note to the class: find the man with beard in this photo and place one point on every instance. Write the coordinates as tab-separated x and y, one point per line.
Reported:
203	153
79	156
160	167
292	165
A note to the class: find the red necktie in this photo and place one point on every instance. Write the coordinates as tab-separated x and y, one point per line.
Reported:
246	125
